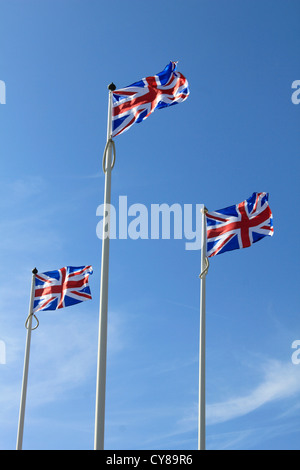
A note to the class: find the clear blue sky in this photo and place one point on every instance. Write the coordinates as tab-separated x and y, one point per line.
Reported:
237	133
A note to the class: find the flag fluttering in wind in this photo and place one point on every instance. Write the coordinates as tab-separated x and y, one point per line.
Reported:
49	291
231	228
136	102
240	225
62	288
126	106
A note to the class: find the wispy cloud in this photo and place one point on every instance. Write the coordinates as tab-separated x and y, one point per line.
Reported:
281	380
63	355
251	437
62	360
56	365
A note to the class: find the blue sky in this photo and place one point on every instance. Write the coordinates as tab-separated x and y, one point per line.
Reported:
237	133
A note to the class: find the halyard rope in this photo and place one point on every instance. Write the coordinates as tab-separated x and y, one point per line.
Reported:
205	270
27	320
110	141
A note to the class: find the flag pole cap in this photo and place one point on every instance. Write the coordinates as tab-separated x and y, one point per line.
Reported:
34	271
112	87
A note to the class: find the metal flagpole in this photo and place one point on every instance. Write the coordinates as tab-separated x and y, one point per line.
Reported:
102	338
28	325
204	269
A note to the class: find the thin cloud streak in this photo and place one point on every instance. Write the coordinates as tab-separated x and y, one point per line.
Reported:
281	380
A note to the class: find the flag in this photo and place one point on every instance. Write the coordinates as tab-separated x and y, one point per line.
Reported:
136	102
62	288
240	225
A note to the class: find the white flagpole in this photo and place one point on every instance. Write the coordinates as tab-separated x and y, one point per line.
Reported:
26	365
204	268
102	338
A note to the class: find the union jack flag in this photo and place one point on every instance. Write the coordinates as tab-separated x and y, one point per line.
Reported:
240	225
62	288
136	102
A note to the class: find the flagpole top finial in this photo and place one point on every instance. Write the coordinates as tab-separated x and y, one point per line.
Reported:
112	87
34	271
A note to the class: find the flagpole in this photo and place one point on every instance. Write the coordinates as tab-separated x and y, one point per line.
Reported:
204	269
102	335
26	365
